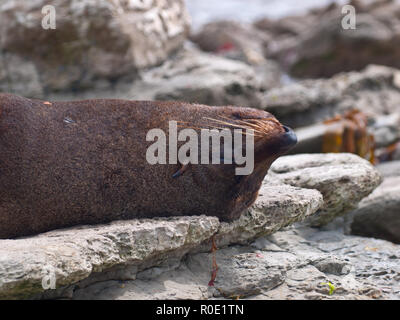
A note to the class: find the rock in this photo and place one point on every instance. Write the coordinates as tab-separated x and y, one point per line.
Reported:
19	76
193	76
240	273
198	77
286	26
374	91
233	40
359	268
386	130
296	263
273	198
240	41
71	255
389	169
94	41
325	48
378	215
144	248
343	179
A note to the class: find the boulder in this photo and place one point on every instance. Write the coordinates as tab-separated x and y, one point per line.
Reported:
321	47
198	77
378	215
233	40
93	41
343	179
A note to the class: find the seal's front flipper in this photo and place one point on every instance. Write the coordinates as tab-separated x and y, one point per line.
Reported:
180	171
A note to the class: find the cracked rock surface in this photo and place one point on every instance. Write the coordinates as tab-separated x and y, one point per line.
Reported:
296	263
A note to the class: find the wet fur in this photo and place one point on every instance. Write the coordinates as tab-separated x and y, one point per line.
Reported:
83	162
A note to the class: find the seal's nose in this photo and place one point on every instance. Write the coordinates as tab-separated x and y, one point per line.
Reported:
290	137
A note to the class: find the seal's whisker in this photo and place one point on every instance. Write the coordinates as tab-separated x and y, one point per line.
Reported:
222	128
248	127
250	124
254	127
233	124
257	124
260	125
243	132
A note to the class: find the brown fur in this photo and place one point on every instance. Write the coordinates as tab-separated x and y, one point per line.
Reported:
83	162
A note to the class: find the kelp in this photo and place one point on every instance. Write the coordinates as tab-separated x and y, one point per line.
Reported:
349	133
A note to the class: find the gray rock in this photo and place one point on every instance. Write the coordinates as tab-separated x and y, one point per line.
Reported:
194	76
285	26
389	169
233	40
73	254
378	215
359	268
136	248
322	47
375	91
296	263
386	130
19	76
343	179
94	41
240	273
273	199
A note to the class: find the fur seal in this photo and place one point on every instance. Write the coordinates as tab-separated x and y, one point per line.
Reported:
83	162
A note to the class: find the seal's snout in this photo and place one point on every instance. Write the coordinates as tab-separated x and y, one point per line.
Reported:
289	138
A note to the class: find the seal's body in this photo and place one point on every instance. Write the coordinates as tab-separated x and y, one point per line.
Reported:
84	162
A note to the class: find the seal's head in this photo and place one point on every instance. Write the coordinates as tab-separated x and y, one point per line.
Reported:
271	140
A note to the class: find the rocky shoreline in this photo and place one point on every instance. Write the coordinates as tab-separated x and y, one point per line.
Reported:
325	225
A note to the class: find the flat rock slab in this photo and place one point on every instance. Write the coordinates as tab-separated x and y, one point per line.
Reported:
125	248
73	254
296	263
